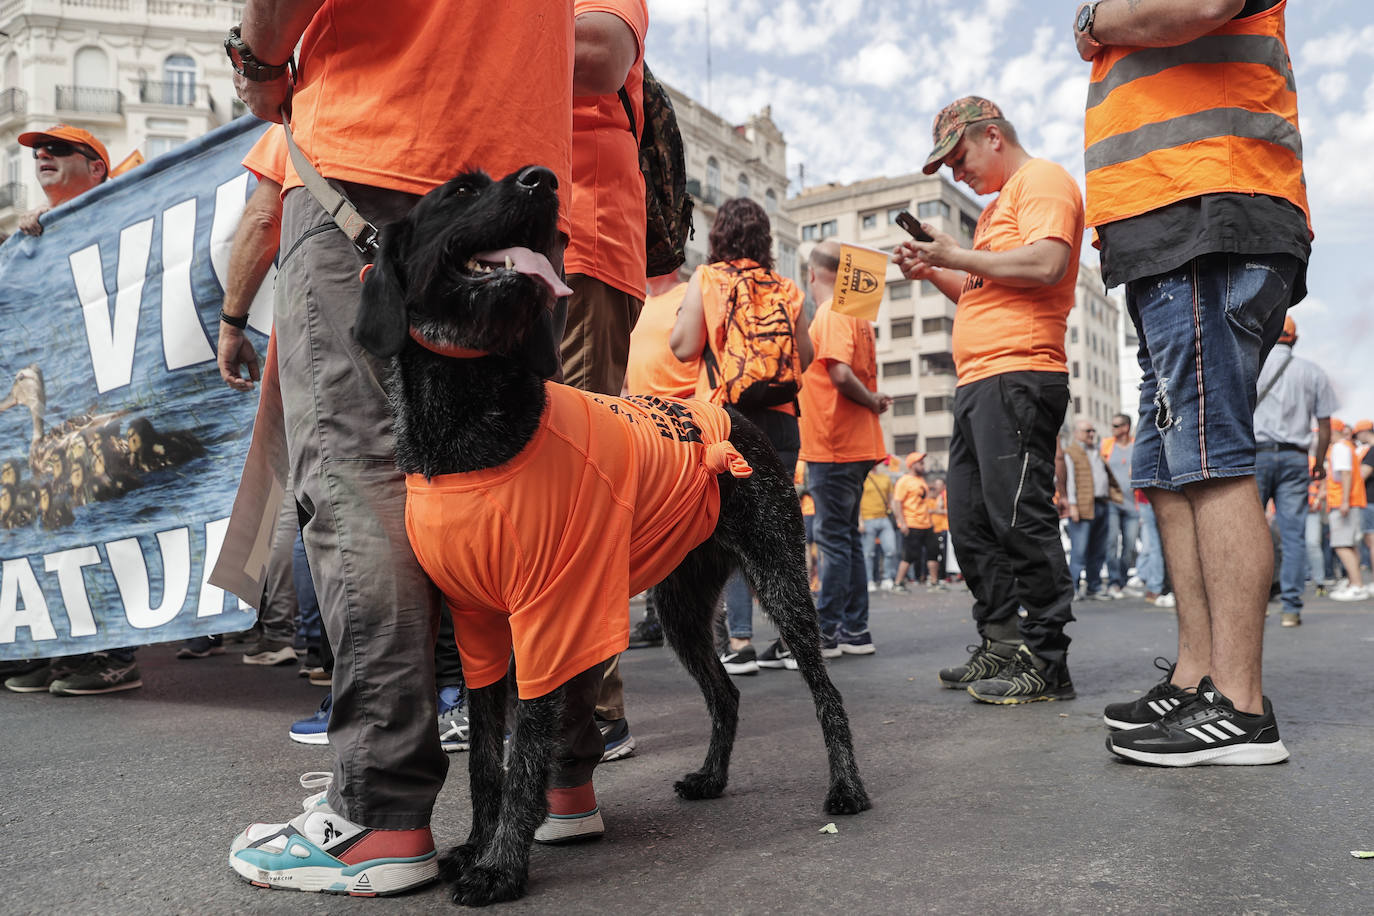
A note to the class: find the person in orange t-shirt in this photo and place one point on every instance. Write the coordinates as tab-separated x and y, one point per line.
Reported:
1014	290
840	441
385	106
605	257
913	504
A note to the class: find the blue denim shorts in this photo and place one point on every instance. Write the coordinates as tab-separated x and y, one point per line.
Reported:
1205	329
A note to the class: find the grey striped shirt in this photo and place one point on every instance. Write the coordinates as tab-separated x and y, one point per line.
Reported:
1301	395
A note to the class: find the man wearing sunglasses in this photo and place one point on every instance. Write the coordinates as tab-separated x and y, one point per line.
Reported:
69	161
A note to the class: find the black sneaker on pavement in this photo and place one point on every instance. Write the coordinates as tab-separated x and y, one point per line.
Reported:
39	679
201	647
856	643
984	662
1022	681
1161	699
646	634
1207	729
740	661
619	743
97	673
777	656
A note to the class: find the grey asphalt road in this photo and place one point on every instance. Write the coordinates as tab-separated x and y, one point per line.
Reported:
126	804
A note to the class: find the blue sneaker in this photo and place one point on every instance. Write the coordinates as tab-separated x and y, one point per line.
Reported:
453	719
321	851
856	643
830	645
618	742
314	729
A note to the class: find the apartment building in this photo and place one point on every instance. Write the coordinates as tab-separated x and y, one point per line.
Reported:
142	75
915	321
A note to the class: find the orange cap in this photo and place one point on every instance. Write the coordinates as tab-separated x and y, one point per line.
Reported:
70	135
1337	424
1364	425
1290	330
915	457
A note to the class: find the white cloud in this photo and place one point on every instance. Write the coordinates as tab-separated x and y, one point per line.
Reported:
1331	86
881	64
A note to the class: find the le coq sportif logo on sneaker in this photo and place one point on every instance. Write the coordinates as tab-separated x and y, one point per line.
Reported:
331	832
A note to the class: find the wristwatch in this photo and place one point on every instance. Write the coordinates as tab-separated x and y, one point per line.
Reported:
246	65
1083	23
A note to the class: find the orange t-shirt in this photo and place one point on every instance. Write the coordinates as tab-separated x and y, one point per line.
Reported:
834	428
540	556
267	158
608	188
1000	328
652	368
716	286
913	496
407	95
939	512
1346	462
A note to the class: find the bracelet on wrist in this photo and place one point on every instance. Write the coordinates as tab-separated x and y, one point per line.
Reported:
234	321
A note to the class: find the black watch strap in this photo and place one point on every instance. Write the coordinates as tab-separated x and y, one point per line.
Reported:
248	66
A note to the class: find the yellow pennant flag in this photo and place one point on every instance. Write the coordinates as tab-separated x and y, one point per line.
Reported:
859	282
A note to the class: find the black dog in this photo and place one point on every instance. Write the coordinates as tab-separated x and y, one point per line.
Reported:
468	392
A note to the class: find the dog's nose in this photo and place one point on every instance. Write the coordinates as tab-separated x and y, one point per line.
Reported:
536	175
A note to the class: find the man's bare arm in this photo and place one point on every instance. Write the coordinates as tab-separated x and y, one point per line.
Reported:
250	256
606	49
271	29
1041	263
1160	23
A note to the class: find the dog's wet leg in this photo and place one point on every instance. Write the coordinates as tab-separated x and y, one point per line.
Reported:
686	603
502	870
487	729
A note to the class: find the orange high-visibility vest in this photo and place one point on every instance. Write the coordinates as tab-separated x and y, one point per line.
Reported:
1335	491
1218	114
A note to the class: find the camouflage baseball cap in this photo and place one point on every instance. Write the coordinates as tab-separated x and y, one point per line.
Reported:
950	124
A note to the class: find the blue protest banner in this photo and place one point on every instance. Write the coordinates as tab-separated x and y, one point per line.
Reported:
120	446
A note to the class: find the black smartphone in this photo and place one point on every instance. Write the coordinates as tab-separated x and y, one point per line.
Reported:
913	227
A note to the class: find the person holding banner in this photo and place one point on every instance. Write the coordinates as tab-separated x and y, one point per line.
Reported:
841	440
746	325
386	131
1014	290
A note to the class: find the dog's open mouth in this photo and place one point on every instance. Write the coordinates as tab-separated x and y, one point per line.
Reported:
489	265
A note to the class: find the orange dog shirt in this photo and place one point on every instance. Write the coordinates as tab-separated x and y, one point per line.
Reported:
540	556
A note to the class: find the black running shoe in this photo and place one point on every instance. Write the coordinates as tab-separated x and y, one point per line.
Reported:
1153	706
1020	681
984	662
777	656
1205	729
646	634
740	661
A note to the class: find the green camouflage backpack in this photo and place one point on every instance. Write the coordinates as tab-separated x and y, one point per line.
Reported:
667	205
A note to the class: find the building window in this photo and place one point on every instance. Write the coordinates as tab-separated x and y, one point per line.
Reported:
899	291
968	225
898	368
869	221
892	213
810	233
830	227
1094	375
1075	368
929	289
941	404
742	186
904	406
712	181
937	443
940	325
770	200
931	209
1077	405
903	444
156	146
787	260
937	364
179	80
91	69
901	327
1073	335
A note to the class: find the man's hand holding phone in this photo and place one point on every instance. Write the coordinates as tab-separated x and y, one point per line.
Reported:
928	250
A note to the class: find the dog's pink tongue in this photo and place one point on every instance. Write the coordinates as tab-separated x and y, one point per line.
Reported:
530	263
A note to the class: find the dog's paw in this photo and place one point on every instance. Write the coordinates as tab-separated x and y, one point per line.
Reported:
456	861
480	885
699	785
847	798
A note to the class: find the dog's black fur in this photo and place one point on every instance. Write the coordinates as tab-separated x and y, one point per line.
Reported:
463	414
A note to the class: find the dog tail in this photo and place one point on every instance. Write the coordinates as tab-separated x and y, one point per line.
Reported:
722	456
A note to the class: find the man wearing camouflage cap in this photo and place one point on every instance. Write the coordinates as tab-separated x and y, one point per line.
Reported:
1014	290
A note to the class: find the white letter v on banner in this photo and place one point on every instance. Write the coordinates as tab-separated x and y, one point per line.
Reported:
112	341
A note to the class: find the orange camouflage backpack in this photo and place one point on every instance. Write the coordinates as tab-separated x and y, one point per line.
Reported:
758	364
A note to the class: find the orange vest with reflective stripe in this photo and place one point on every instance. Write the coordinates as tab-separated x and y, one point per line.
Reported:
1218	114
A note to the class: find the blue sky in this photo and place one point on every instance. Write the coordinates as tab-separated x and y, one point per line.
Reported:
855	84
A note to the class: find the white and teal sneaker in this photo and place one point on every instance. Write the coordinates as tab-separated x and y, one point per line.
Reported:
321	851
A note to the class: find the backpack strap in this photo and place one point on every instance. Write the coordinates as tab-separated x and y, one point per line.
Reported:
629	110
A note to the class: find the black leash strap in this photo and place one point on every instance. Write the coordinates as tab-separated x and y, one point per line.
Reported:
360	232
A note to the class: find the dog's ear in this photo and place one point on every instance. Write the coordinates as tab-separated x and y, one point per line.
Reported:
382	323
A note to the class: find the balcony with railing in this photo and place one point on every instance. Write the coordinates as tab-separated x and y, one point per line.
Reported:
11	195
88	100
13	102
181	93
